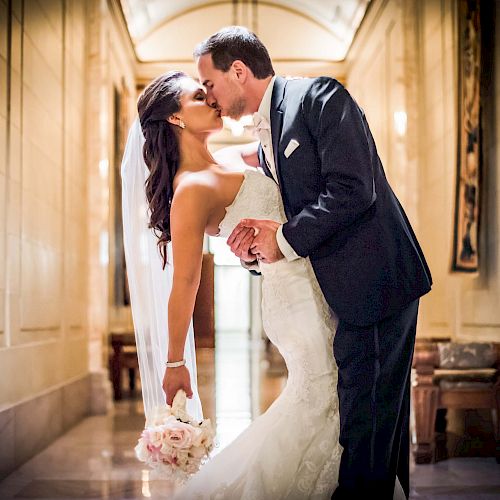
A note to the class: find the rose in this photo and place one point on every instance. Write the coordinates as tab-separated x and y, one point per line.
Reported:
170	458
179	434
197	452
149	444
192	466
207	436
153	436
182	457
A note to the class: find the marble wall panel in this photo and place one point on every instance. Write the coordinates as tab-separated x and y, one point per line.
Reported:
7	440
17	9
376	78
432	43
44	128
75	13
3	156
3	97
13	383
41	280
31	425
4	22
53	11
16	43
40	78
3	125
75	402
37	423
15	147
75	185
44	28
15	74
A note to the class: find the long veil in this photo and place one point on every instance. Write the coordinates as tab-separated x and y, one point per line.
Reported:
149	284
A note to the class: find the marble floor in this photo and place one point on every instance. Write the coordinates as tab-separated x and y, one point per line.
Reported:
95	459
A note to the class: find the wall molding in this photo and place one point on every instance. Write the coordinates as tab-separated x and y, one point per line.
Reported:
43	418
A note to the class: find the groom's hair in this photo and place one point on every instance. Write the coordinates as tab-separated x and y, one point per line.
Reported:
237	43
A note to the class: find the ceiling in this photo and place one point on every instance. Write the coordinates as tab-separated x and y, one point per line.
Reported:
340	18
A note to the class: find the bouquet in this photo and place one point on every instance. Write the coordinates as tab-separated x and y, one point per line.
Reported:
173	442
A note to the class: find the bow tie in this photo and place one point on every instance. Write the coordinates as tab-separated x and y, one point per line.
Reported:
260	123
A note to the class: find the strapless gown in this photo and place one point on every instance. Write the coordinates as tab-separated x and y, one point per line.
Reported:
291	451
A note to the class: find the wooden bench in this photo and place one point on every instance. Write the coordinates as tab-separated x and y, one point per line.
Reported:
452	384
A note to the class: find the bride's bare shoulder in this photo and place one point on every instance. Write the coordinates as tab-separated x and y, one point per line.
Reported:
194	189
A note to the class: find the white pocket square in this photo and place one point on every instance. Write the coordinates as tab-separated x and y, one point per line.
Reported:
292	146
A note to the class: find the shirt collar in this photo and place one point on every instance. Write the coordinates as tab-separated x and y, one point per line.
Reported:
265	104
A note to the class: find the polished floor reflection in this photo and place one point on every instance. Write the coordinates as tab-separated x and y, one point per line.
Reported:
95	459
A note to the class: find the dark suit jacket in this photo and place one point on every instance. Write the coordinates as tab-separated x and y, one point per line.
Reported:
341	211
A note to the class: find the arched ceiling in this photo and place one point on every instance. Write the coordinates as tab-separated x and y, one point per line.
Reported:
300	30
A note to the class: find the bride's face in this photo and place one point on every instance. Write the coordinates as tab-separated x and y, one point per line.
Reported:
195	111
224	89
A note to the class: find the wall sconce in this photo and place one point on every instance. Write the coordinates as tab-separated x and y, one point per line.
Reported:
103	248
400	122
104	168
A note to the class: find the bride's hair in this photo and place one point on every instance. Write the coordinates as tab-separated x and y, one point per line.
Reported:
159	100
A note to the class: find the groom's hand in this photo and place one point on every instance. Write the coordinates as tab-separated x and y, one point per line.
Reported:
240	241
175	379
265	245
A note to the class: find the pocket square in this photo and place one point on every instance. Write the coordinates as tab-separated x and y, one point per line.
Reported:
292	146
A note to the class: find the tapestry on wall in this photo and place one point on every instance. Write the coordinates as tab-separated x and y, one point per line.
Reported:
467	197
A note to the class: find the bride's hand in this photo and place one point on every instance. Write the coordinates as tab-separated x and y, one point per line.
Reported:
265	244
240	240
175	379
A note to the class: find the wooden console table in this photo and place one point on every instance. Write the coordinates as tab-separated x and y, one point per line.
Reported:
124	355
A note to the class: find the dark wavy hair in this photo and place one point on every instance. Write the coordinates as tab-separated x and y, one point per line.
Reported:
159	100
237	43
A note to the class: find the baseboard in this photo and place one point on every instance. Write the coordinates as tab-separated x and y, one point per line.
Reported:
30	426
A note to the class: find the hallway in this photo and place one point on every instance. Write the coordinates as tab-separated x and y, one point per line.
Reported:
71	72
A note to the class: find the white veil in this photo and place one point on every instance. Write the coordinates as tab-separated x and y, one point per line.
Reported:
149	284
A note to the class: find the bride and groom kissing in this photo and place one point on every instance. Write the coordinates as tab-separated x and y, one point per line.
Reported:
342	271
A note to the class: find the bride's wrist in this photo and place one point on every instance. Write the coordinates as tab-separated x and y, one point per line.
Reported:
175	363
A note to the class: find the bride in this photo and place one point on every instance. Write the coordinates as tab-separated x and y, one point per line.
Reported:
292	451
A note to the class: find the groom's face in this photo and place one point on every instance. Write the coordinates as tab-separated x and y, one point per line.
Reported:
223	89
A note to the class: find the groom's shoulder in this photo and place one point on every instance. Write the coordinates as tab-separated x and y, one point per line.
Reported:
312	85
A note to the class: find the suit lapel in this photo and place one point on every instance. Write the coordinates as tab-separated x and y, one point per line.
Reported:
277	119
263	162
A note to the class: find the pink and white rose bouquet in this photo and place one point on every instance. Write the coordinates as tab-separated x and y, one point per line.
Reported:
174	442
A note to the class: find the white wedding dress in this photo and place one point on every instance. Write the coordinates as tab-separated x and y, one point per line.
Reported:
292	451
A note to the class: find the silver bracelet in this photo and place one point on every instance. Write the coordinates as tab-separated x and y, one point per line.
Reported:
175	364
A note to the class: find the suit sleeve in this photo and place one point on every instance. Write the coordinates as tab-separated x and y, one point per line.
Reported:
252	267
342	140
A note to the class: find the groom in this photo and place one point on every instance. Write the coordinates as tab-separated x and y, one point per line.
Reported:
316	144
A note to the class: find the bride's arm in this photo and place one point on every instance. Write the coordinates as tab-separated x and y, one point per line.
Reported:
188	218
238	157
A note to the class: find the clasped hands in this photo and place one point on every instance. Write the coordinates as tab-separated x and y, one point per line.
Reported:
255	239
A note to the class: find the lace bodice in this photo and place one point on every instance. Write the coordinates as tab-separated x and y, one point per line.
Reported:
258	198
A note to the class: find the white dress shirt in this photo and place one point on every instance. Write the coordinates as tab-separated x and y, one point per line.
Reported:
263	115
